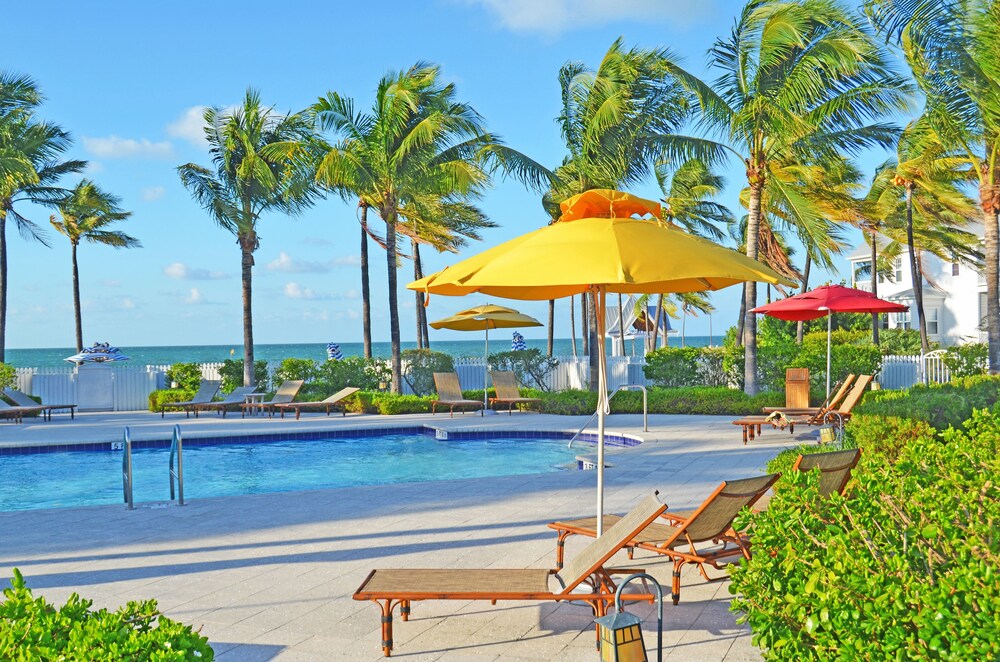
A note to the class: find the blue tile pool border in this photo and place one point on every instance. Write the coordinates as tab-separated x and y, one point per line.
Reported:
610	439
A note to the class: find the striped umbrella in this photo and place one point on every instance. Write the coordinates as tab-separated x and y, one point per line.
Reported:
517	344
333	352
101	352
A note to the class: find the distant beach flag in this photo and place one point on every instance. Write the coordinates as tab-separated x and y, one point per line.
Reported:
333	352
232	352
518	344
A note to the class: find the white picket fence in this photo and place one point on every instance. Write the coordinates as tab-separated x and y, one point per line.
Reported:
131	385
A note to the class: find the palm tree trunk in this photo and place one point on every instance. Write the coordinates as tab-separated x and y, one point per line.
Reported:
572	322
800	326
750	300
915	275
390	245
3	284
552	325
247	276
418	296
76	299
584	324
621	323
742	316
593	344
683	327
366	295
656	321
990	198
874	282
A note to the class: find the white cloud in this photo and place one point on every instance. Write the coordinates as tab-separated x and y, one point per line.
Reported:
115	147
127	304
348	261
296	291
190	126
151	193
285	263
181	271
316	315
108	282
194	296
93	167
558	16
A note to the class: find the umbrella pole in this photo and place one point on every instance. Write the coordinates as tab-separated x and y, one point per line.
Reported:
829	325
486	369
602	403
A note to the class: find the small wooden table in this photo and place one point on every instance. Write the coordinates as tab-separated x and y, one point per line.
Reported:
752	424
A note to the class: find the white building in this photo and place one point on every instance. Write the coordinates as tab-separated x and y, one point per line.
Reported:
954	296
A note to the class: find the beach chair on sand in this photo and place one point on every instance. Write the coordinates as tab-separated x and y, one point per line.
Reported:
206	391
706	531
234	399
17	413
507	392
335	401
285	394
450	393
400	588
21	399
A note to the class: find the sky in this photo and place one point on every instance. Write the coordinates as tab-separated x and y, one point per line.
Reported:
130	80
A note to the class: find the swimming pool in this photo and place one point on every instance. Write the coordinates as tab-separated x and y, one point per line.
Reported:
84	478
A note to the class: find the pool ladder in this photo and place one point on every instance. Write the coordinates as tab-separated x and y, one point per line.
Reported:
624	387
176	452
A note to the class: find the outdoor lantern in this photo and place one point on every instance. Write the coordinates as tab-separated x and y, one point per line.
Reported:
620	633
621	638
827	434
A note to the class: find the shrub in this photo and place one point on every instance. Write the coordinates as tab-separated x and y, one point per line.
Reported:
391	404
898	341
8	376
419	366
967	360
367	374
673	366
568	403
166	396
903	566
530	366
885	436
288	369
232	375
33	629
940	405
186	375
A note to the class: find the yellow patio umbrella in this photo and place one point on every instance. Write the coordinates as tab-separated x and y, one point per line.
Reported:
484	318
596	246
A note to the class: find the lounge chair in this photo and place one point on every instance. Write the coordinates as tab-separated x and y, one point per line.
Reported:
236	398
18	413
335	401
450	393
834	401
285	394
392	588
507	392
836	414
206	392
21	399
712	521
835	468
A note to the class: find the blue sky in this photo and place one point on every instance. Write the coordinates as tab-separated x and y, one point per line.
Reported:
129	80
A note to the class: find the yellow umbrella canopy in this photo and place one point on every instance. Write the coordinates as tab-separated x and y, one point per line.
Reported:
484	318
597	246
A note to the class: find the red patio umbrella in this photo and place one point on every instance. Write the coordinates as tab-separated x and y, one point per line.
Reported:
823	301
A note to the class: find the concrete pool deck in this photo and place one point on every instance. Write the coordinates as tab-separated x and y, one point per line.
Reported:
270	576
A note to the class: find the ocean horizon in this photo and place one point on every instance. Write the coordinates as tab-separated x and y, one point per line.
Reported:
53	357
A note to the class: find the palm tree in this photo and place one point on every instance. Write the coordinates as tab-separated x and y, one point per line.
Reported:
953	47
29	168
85	213
800	84
615	121
692	303
246	182
417	140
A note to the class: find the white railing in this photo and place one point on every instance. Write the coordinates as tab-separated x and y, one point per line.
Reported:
905	371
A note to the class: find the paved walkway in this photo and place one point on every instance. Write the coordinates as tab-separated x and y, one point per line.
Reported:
270	576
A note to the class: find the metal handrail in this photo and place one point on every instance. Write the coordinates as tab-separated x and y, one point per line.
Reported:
624	387
177	449
127	471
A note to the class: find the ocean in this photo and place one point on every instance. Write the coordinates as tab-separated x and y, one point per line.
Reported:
274	353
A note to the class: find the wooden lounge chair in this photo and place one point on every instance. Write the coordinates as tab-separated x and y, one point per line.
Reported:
335	401
392	588
285	394
21	399
236	398
833	401
836	414
206	392
505	384
17	413
711	522
450	394
835	468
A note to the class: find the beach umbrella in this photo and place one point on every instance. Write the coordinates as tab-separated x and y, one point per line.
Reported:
597	247
484	318
517	343
101	352
824	301
333	352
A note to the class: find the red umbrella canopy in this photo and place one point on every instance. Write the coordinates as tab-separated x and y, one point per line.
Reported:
828	299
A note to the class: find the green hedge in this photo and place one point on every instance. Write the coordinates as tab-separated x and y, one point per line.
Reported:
940	405
167	395
33	629
904	566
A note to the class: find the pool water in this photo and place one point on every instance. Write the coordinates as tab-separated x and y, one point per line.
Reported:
80	478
